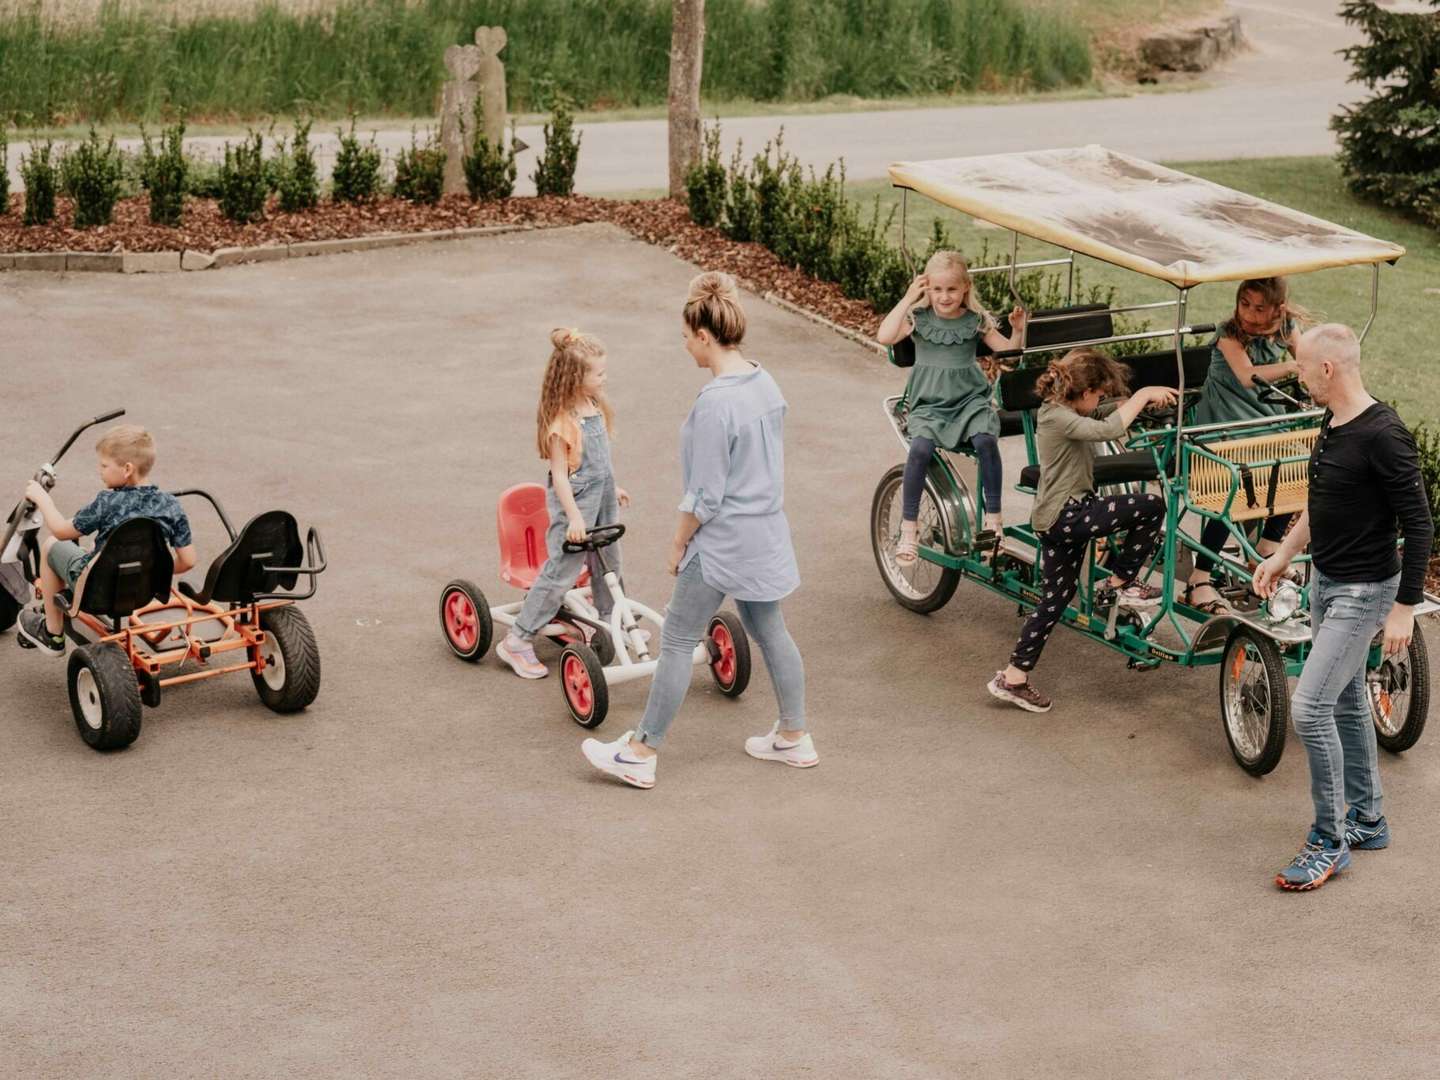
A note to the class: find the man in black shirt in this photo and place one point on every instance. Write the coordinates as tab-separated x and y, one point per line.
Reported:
1365	487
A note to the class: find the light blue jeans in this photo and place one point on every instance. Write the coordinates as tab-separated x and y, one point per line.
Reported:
1331	705
692	605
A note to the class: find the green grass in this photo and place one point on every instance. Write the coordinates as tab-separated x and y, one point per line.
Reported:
383	57
1402	364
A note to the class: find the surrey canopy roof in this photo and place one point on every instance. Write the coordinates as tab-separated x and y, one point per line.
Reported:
1144	217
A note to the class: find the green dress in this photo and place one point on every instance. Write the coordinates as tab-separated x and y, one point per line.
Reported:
1222	398
948	394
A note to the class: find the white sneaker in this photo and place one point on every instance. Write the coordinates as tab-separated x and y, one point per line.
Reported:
770	747
617	759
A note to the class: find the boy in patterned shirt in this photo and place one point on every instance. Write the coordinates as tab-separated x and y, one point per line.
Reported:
126	456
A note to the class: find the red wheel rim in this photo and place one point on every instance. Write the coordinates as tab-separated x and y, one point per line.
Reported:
578	690
724	664
461	624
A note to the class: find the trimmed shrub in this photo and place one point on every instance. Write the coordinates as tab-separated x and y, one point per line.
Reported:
705	182
555	171
40	177
356	176
1427	440
420	171
165	174
489	170
298	178
243	185
4	172
91	174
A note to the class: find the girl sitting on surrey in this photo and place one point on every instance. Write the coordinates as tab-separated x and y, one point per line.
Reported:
948	394
1255	340
574	424
1068	514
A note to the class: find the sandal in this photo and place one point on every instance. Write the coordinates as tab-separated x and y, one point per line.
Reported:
907	548
1218	606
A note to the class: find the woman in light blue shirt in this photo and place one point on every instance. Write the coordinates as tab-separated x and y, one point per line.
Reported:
732	539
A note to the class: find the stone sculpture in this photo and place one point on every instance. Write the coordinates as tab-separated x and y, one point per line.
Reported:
475	70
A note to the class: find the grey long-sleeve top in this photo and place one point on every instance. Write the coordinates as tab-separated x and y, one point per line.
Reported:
732	458
1065	444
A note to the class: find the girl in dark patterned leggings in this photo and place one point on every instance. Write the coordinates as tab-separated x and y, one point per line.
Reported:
1068	514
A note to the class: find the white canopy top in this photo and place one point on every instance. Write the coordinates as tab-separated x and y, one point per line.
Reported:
1155	221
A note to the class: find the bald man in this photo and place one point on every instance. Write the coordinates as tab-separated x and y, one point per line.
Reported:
1365	489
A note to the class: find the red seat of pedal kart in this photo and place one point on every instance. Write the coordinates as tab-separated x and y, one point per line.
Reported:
521	520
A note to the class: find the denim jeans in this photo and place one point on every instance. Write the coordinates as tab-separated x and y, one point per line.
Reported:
1331	704
687	618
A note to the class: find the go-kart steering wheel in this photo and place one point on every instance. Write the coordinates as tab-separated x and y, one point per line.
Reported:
595	539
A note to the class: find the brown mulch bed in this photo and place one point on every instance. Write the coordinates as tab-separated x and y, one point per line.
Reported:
663	222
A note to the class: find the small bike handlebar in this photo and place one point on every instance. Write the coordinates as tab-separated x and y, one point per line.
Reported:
595	539
82	429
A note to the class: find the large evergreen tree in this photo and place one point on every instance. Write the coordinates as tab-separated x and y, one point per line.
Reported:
1390	143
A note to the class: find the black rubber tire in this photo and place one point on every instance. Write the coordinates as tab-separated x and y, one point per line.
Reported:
600	640
9	611
484	626
1397	742
923	603
582	681
103	675
739	678
1260	761
288	628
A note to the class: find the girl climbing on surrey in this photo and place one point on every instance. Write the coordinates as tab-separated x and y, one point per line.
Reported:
1255	340
948	394
574	423
1068	514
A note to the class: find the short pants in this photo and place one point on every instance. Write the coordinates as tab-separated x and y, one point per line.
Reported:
67	559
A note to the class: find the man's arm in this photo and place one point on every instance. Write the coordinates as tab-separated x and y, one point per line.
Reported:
1397	464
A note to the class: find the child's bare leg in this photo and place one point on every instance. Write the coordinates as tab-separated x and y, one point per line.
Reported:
50	586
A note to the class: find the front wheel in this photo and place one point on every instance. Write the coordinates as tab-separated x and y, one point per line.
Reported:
921	586
1254	700
104	696
290	678
729	649
1400	696
582	678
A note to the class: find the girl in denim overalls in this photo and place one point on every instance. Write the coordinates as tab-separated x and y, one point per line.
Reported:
574	423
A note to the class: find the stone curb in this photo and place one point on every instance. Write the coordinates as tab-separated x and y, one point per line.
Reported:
154	262
844	331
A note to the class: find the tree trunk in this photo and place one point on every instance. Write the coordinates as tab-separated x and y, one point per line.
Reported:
687	49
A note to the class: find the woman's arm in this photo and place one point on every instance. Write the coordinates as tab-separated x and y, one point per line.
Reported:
560	480
897	324
685	529
1244	371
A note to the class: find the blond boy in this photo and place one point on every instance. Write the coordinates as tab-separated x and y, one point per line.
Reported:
126	454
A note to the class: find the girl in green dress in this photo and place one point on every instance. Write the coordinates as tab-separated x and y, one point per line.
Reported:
1259	338
948	394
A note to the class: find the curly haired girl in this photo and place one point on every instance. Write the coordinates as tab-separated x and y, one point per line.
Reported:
1068	514
573	425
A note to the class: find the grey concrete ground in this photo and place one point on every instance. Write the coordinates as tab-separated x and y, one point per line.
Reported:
1274	100
420	876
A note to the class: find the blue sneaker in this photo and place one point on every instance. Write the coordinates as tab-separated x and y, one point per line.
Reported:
1368	836
1317	861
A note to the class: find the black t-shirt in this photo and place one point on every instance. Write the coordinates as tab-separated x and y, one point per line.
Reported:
1364	482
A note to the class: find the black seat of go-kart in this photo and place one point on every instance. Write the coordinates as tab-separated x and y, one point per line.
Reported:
1128	467
133	567
237	575
1017	388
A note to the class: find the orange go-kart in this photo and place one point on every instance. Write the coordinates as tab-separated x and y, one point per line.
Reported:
139	632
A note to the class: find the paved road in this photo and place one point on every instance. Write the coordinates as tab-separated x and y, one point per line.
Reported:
1274	100
420	876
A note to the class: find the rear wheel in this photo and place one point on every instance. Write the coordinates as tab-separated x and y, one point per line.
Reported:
1400	696
729	648
104	696
1254	700
9	611
465	619
922	586
290	679
582	678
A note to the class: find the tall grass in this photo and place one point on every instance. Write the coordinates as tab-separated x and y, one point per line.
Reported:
141	62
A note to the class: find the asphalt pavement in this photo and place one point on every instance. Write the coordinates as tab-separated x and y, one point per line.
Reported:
420	875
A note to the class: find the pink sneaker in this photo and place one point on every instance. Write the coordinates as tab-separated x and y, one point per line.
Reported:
520	655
